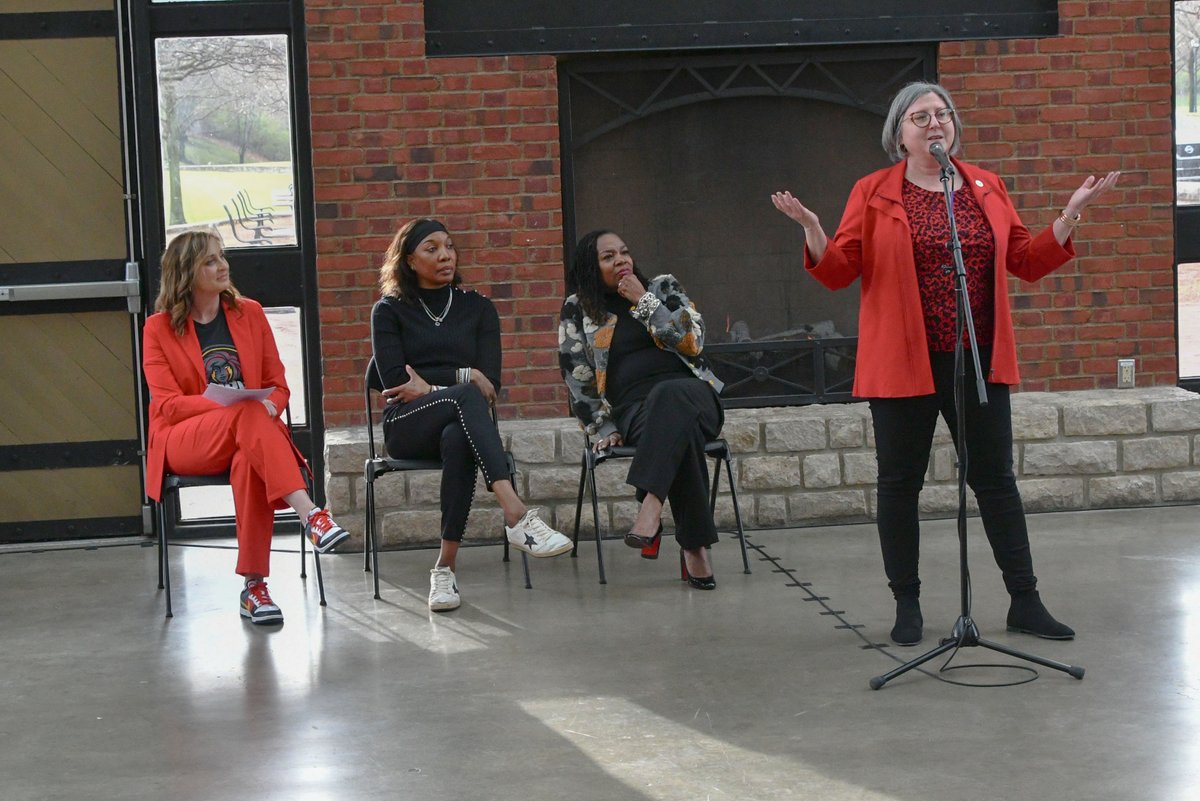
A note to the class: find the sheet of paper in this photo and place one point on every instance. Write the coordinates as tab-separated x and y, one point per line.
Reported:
227	396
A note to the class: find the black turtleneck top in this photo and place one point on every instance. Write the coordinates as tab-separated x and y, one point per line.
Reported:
404	333
635	361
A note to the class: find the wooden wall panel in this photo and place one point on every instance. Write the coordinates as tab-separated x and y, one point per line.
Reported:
70	494
60	145
67	378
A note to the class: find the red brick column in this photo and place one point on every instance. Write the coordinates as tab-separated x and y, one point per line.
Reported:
1046	113
471	141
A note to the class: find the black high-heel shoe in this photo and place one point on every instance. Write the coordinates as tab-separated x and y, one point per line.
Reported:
648	545
698	582
651	551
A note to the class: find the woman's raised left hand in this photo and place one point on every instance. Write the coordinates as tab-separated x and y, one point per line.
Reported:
1089	192
485	385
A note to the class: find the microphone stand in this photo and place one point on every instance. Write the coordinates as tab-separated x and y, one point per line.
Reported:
964	634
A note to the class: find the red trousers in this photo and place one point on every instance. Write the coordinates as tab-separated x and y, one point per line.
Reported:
254	447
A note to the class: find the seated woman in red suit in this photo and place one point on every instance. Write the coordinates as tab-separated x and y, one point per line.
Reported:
204	332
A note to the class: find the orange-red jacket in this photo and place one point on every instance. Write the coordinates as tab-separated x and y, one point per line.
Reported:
175	374
874	243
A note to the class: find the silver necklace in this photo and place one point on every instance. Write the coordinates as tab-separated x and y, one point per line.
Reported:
437	318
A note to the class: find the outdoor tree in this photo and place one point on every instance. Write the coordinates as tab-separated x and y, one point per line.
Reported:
198	77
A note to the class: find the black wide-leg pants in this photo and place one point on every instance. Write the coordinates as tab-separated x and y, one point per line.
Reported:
454	424
903	437
669	429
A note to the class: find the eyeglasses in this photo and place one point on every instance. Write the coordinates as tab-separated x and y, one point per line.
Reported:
921	119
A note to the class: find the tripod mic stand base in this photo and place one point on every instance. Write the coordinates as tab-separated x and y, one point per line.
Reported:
965	634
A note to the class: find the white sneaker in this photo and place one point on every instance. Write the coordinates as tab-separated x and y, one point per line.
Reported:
443	590
535	538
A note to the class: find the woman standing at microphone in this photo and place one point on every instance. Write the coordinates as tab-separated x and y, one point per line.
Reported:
893	236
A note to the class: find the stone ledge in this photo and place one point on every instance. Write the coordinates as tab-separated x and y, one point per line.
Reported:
815	465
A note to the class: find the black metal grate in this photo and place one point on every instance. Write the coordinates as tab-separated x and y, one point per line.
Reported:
784	372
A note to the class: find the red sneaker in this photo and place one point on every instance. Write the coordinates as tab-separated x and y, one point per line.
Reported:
323	532
257	604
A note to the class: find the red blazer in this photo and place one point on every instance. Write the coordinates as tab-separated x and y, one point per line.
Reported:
874	242
175	375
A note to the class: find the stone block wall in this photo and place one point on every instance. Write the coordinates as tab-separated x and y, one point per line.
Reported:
815	465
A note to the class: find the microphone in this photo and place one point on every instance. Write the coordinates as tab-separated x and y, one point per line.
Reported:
938	152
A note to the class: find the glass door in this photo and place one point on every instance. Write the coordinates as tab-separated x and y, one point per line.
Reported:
224	144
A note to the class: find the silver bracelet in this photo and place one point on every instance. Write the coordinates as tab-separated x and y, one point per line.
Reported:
646	305
462	375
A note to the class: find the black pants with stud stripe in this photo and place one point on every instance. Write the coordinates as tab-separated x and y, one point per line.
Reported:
455	425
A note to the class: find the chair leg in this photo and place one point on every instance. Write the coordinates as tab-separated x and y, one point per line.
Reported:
320	578
583	467
158	515
303	555
367	525
372	535
591	474
737	513
512	477
164	564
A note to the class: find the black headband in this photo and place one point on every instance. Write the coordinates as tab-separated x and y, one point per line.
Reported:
419	234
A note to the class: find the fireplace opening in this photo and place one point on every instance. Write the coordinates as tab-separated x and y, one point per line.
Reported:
680	156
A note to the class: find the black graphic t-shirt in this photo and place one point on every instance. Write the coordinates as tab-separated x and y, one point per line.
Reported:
217	351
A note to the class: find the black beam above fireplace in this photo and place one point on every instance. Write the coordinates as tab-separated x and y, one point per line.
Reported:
506	27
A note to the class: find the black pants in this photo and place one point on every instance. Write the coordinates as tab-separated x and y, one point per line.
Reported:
669	429
903	436
455	425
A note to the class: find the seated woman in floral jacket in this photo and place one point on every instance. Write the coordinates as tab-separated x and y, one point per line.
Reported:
629	350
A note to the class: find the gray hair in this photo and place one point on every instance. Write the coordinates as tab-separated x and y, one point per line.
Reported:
895	117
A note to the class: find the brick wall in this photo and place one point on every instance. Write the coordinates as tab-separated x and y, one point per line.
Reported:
471	141
1045	113
475	143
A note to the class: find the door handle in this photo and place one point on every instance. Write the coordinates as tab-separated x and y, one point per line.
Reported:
130	289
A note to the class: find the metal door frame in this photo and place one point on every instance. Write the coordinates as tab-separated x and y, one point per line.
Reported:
274	276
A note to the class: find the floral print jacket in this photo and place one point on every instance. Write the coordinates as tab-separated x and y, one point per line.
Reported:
583	344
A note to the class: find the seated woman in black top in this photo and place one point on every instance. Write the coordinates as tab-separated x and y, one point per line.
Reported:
629	350
437	348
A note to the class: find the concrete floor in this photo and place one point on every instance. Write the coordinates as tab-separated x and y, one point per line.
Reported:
642	689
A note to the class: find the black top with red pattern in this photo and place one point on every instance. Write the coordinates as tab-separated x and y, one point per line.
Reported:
931	232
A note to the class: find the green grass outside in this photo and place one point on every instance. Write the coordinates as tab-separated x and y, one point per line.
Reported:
205	192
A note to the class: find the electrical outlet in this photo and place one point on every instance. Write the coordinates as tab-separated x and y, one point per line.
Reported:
1125	373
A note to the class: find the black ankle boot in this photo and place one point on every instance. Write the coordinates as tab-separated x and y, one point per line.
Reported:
1027	614
909	624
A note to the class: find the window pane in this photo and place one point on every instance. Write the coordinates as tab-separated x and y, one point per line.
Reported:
224	122
1189	320
1187	97
285	323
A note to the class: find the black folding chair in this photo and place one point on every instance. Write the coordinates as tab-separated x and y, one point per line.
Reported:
377	465
718	449
171	486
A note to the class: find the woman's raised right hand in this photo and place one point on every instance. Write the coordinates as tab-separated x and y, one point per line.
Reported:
815	239
789	205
